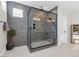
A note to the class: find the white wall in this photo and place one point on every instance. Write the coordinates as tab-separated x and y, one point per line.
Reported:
64	12
75	18
3	34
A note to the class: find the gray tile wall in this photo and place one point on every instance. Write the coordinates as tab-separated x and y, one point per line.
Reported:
17	23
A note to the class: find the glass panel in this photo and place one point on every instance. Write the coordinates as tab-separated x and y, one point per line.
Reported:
43	29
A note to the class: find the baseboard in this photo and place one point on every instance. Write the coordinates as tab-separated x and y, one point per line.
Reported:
1	54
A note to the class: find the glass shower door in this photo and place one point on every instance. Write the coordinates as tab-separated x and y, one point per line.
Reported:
42	31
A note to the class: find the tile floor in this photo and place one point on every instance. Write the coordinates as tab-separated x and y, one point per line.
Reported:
65	50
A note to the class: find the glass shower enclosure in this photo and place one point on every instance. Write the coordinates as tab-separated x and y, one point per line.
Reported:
42	28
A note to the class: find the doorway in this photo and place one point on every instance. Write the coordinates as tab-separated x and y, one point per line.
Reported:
62	29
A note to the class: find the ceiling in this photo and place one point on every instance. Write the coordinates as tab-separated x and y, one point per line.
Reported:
70	5
46	5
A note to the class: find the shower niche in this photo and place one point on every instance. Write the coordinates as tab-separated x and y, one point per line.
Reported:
42	29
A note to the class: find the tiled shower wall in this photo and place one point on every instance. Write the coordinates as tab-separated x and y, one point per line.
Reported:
17	23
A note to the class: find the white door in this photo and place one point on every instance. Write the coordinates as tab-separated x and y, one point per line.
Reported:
62	29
